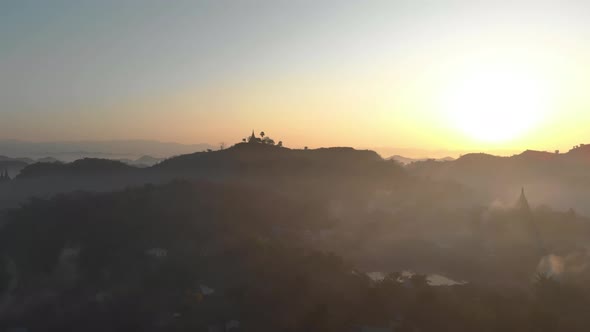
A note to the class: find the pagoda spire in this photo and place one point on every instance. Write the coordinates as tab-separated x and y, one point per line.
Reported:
523	204
252	138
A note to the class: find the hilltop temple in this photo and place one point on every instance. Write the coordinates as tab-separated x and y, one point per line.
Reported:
253	138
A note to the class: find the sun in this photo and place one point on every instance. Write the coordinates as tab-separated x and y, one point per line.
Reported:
495	104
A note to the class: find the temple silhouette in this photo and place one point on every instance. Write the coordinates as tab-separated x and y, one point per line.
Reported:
523	204
526	215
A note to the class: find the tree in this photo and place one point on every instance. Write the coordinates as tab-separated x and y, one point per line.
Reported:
262	134
280	143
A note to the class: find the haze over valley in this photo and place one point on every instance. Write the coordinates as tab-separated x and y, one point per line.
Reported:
294	166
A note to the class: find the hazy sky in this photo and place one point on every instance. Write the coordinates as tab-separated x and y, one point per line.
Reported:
418	74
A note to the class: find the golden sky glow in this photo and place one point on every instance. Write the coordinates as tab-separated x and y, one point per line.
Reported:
455	76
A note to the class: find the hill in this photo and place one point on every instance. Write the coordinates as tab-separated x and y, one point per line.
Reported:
142	162
24	160
48	160
82	167
243	158
265	164
559	179
405	160
263	159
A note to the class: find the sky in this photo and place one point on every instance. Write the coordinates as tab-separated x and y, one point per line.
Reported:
429	75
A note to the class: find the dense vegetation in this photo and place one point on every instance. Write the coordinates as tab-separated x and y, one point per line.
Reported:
191	256
259	237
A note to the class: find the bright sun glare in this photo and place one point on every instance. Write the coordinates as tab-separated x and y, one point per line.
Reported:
496	104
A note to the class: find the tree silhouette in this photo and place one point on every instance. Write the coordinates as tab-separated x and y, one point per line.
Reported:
268	140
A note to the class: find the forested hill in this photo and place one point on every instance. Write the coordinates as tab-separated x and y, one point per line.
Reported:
243	162
243	158
529	164
87	166
271	159
556	179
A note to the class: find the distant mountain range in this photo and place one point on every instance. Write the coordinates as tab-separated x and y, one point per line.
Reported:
577	159
242	158
15	165
254	163
116	149
561	179
86	166
143	161
405	160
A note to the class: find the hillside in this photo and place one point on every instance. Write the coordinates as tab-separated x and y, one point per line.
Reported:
262	159
405	160
261	163
529	163
555	179
81	167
